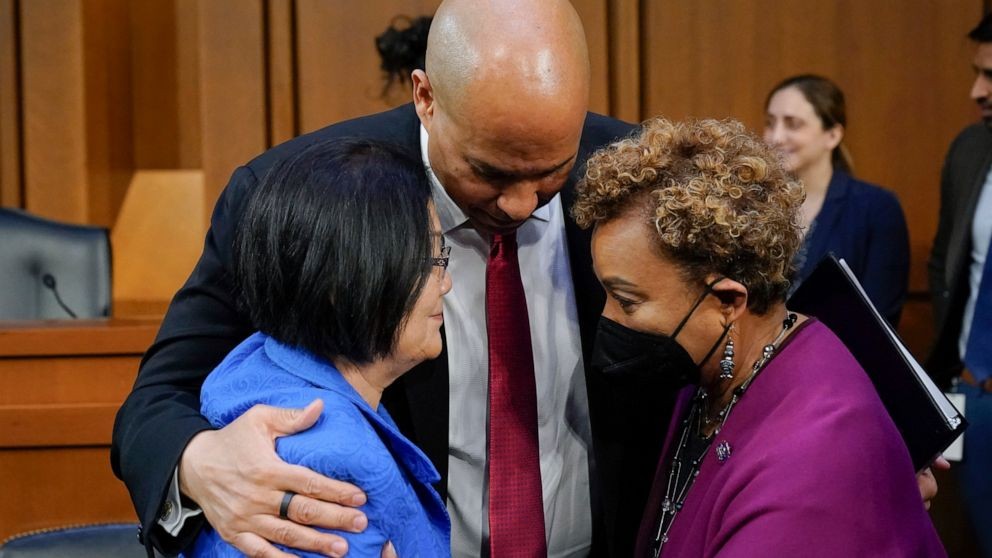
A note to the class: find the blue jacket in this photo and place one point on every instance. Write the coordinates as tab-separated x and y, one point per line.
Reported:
350	442
865	225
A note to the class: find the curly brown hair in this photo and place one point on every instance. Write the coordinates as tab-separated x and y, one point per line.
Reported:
718	197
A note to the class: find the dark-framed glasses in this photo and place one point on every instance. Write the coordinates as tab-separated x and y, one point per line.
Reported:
442	260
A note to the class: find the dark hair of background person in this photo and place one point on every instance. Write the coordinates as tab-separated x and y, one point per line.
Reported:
402	48
982	33
828	104
332	250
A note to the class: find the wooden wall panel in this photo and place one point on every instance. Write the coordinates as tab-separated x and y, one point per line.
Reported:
625	60
10	109
155	80
60	384
233	87
76	108
54	109
904	67
164	66
281	61
188	83
107	104
155	242
595	20
338	65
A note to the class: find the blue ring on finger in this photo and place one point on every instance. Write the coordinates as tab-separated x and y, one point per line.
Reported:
287	497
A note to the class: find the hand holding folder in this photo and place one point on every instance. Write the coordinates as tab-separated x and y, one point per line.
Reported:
926	419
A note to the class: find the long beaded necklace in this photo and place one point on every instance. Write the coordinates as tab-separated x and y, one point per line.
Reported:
680	481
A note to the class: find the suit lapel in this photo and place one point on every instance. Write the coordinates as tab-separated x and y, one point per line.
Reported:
827	220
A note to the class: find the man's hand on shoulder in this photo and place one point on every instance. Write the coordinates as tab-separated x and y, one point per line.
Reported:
235	476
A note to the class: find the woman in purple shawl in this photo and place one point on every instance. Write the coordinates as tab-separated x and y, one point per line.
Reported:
779	445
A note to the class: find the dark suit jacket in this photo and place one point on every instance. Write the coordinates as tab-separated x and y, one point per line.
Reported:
203	324
965	168
865	225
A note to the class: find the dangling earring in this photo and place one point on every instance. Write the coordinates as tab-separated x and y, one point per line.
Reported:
727	363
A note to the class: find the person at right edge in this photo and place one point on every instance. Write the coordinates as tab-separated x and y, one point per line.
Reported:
961	285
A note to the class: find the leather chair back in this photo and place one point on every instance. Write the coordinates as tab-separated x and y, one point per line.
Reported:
43	261
115	540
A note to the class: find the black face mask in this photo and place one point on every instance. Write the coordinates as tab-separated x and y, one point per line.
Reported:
629	356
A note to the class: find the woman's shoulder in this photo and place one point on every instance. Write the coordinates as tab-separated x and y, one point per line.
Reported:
820	398
871	197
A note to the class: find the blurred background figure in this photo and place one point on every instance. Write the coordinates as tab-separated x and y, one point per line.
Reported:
961	284
805	119
402	47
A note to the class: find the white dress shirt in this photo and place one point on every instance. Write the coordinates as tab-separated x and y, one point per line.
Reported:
981	237
562	406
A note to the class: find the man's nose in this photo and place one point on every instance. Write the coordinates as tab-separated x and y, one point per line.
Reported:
518	202
980	89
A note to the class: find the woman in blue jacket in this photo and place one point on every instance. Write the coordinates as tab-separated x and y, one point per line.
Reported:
340	263
805	118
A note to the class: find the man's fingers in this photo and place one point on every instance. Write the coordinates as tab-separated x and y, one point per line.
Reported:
301	480
928	486
283	421
302	537
308	511
941	464
388	551
256	547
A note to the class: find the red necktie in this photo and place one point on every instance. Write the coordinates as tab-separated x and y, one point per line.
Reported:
516	504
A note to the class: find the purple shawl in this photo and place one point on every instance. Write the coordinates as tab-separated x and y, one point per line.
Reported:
816	468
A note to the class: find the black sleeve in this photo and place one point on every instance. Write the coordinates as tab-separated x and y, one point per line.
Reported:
937	265
162	412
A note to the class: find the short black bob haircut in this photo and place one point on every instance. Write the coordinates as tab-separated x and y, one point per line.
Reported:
332	251
982	33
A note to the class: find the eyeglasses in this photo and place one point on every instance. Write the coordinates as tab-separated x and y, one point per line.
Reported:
442	261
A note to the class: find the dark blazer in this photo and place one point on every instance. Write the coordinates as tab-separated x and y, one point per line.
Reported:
965	168
865	225
203	324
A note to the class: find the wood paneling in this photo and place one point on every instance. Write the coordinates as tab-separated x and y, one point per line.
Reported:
188	82
155	84
47	487
10	106
155	242
338	66
53	101
281	60
233	88
60	385
625	60
164	65
76	108
905	69
107	107
594	15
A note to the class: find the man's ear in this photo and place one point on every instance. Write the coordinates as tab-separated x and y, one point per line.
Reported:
423	98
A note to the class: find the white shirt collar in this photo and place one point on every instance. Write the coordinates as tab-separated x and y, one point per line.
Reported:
448	212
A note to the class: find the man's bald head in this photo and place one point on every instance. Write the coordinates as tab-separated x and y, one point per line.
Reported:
520	49
503	98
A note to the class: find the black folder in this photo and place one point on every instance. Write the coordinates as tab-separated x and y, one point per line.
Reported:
926	419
